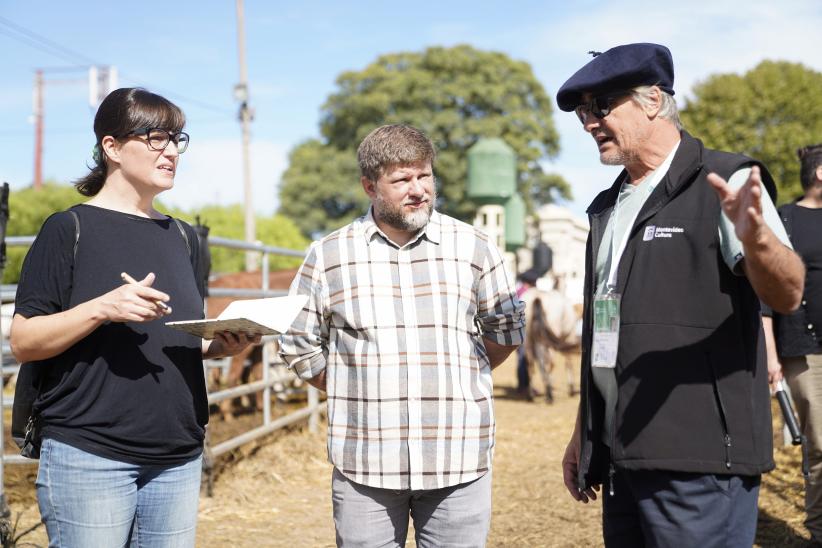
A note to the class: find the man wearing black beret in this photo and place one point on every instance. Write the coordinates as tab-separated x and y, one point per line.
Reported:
674	419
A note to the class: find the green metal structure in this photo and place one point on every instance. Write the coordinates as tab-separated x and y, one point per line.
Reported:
514	222
492	172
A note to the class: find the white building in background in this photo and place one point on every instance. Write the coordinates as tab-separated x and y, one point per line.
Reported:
565	234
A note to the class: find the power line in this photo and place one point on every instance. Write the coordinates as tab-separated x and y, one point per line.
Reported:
17	133
177	96
43	44
35	45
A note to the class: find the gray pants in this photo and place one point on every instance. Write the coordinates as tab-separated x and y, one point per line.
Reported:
804	376
369	517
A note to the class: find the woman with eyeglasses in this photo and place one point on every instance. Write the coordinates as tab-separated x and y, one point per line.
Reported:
122	404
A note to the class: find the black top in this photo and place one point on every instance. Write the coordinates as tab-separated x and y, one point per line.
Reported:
807	242
800	333
135	391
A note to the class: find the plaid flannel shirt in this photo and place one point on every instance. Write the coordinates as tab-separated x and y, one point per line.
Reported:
399	332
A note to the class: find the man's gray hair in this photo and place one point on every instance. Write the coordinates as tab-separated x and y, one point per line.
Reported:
393	145
667	109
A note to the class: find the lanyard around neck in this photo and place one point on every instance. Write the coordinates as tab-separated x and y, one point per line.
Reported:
616	253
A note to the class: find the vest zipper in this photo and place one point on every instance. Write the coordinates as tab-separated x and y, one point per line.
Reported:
611	468
722	418
611	473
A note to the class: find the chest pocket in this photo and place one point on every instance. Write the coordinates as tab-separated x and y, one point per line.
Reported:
676	260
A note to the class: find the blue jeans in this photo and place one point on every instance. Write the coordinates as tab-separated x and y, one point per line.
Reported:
91	501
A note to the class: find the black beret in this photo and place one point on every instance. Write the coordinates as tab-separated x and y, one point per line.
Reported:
620	68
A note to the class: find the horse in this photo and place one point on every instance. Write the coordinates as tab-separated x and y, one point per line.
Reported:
551	329
238	371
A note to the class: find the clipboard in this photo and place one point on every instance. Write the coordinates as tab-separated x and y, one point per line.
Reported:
269	316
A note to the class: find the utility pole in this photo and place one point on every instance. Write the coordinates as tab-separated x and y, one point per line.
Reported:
102	80
38	129
246	115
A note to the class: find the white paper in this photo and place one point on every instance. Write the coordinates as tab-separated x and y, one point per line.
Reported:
269	316
605	348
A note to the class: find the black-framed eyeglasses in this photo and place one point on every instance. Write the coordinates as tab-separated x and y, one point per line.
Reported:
600	106
158	138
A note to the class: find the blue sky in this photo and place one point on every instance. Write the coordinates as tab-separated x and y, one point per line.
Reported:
187	51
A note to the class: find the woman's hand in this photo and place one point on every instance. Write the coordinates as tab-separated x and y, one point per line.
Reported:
43	337
227	343
134	302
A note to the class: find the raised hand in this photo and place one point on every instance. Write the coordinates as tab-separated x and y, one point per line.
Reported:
743	206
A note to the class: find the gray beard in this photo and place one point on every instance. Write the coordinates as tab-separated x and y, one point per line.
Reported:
394	217
618	158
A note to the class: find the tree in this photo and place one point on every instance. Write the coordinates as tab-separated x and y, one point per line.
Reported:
321	189
28	209
455	95
227	222
767	113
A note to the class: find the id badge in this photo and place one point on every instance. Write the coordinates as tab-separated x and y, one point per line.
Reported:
606	330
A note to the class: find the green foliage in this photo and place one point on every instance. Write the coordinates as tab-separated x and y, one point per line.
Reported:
228	222
29	208
767	113
321	188
455	95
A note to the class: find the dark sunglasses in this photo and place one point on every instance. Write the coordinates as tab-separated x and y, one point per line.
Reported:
600	106
158	138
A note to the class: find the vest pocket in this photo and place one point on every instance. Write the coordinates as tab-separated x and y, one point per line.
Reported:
721	412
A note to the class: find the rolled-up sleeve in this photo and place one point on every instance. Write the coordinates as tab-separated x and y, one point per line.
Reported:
729	244
304	346
500	313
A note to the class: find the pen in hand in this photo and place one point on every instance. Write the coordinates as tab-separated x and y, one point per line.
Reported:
128	279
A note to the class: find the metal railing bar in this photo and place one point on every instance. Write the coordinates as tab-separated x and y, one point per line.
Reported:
255	433
12	458
252	293
236	244
238	391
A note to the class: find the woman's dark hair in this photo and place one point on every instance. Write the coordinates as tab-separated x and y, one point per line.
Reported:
122	111
810	158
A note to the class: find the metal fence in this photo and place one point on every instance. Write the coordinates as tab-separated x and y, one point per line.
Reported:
311	411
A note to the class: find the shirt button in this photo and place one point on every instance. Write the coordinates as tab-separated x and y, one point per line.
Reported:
804	303
810	326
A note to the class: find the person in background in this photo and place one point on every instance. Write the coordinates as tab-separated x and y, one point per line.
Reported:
674	413
526	281
122	403
794	340
408	312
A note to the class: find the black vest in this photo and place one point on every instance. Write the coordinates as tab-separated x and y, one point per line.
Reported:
691	371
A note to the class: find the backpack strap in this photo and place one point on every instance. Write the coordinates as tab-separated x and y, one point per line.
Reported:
185	236
76	230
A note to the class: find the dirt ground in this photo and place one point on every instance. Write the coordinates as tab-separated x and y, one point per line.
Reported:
277	492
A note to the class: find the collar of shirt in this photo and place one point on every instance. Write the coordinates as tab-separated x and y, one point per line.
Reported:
656	175
367	226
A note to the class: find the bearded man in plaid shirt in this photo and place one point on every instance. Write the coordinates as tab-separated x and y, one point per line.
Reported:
409	311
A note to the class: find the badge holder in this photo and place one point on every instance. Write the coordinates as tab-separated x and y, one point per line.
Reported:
606	329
